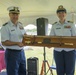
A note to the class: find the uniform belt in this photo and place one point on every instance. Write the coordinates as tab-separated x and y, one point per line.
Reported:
15	50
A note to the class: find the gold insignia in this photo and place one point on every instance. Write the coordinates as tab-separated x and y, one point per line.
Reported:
60	7
16	8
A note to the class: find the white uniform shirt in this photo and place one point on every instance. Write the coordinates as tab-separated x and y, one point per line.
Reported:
12	33
66	29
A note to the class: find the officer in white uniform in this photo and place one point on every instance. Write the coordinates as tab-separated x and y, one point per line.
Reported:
64	57
11	37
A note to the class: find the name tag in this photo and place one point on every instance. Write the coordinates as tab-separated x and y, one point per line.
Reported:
13	30
58	28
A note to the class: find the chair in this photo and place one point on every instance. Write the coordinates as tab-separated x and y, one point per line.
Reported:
53	66
3	73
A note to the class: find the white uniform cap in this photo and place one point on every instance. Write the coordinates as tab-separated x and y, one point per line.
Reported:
13	9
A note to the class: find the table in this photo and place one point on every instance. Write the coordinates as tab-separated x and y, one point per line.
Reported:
2	60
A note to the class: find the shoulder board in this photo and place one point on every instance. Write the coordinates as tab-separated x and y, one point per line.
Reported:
70	21
5	24
20	22
54	23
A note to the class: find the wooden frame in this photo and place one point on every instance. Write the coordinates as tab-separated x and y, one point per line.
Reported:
50	41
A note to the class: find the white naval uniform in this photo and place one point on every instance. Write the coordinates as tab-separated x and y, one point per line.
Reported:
12	33
65	29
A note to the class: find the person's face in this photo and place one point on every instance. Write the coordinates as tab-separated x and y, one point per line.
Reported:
61	15
14	17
